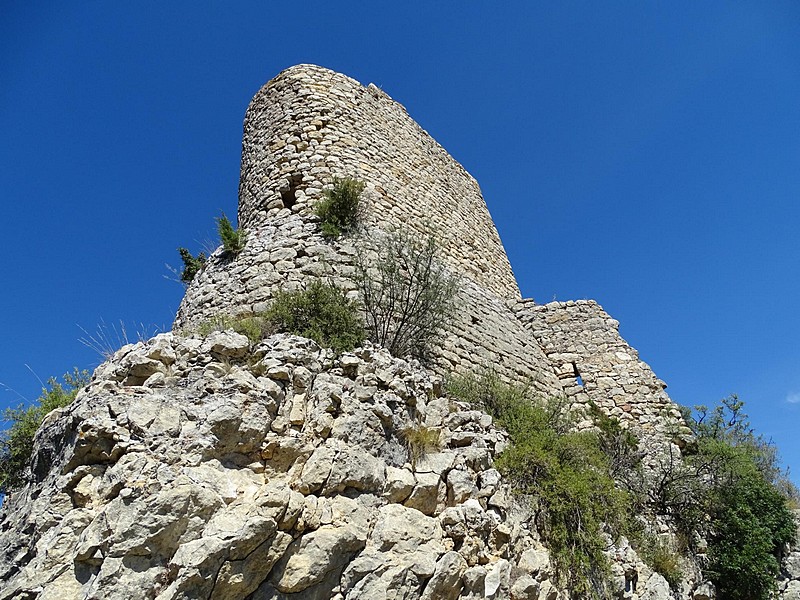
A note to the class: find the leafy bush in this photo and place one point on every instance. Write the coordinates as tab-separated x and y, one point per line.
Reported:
322	312
566	476
420	440
16	442
408	295
340	211
192	265
749	521
233	240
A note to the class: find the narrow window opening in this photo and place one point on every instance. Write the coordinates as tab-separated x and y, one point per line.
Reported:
578	378
289	194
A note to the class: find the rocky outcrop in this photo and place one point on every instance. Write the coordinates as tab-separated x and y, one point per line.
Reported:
207	468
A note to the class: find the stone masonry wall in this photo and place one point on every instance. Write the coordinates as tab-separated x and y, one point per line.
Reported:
309	125
593	362
289	251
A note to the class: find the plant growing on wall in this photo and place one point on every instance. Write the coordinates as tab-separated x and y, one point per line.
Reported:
233	240
192	265
407	294
321	312
340	211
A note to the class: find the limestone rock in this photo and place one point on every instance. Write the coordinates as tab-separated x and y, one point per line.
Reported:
205	486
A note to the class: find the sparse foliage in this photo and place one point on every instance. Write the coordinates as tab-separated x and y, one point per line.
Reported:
192	265
407	293
340	211
16	442
233	240
254	327
662	558
421	440
108	338
321	312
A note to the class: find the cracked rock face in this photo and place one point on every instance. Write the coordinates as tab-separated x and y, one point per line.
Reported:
194	468
210	468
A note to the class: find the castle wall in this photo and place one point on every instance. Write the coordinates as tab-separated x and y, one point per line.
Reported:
289	251
309	125
594	363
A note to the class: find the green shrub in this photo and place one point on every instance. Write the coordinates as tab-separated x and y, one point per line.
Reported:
749	518
233	240
407	293
192	265
254	327
340	211
566	476
16	442
321	312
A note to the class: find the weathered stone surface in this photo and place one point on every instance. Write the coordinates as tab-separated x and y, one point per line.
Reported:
196	488
310	125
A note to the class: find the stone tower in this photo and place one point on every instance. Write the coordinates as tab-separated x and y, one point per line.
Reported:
310	125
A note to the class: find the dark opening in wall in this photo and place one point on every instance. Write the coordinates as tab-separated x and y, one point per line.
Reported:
289	194
578	378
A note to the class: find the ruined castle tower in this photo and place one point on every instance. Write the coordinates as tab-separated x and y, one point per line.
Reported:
310	125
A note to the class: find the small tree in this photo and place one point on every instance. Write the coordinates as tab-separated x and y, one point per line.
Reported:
749	519
407	293
192	265
322	312
340	211
233	240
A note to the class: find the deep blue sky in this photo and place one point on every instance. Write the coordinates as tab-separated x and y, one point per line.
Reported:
643	154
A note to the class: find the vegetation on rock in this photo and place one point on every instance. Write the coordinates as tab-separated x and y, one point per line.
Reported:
340	211
746	520
407	294
16	442
321	312
420	440
254	327
565	474
192	265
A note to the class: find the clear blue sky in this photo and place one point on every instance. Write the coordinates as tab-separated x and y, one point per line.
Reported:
643	154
